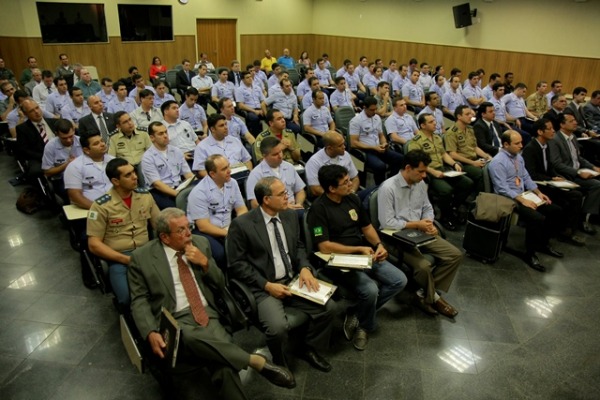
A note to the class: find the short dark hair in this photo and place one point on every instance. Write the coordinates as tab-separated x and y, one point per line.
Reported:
555	82
428	96
483	108
104	80
84	139
505	137
117	85
369	101
73	90
166	105
382	84
118	116
338	79
329	176
152	125
214	118
112	168
222	101
314	93
268	144
132	68
47	74
58	79
20	94
421	118
473	74
191	91
263	188
244	74
459	110
63	126
520	85
145	93
209	164
540	125
454	71
595	93
256	63
579	90
221	70
135	77
414	158
271	114
497	86
506	75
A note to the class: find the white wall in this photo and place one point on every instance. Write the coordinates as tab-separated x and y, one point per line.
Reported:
561	27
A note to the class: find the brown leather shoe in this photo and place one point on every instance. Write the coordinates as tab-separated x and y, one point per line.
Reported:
444	308
279	376
419	302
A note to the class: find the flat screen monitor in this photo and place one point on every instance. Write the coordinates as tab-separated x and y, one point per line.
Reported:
462	15
72	23
143	23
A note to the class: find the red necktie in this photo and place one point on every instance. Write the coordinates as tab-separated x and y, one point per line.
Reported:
43	133
191	292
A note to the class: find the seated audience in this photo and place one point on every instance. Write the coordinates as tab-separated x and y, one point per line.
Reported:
128	142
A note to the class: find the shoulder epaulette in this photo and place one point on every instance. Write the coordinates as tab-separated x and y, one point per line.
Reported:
141	190
417	137
103	199
113	132
265	133
454	129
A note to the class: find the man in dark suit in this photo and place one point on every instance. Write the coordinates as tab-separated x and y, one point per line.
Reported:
174	272
183	78
235	75
265	252
97	121
487	130
32	136
591	111
566	159
537	161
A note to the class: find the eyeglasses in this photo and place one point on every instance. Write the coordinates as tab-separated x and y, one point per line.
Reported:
282	194
183	230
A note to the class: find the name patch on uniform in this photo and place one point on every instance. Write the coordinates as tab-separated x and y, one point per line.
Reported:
116	221
353	215
318	231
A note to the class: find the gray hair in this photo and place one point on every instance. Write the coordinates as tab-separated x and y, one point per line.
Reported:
263	188
165	217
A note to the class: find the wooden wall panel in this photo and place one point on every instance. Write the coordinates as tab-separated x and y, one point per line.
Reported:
528	68
111	59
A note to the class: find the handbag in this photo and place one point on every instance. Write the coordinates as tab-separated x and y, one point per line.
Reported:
492	207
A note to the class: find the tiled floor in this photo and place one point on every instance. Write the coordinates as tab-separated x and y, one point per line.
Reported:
520	333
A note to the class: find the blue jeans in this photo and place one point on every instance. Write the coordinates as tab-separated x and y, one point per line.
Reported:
373	288
118	280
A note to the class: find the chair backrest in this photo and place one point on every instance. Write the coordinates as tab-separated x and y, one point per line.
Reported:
294	76
181	199
213	76
488	187
373	208
178	67
342	117
172	78
308	243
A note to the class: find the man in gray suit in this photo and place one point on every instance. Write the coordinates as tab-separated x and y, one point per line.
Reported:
265	252
173	272
565	157
591	111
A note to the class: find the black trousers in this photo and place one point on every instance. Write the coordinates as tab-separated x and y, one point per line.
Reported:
540	225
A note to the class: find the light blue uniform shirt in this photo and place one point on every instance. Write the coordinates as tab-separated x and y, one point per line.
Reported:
134	91
341	99
504	170
221	90
286	103
303	89
404	125
469	91
128	105
487	92
237	128
451	100
286	173
56	154
206	200
106	99
499	108
194	116
321	158
250	96
515	106
352	81
230	148
398	83
399	203
389	75
158	101
181	135
56	101
73	114
367	129
318	118
166	168
84	174
412	91
324	76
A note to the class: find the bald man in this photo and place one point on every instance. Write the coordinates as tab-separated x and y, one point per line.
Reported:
97	121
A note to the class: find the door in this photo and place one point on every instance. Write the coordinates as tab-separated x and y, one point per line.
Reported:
217	38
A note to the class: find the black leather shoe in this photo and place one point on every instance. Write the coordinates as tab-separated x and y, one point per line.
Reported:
448	224
534	263
551	252
419	302
588	228
278	376
316	360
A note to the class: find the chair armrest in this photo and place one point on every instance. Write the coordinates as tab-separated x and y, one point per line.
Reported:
244	298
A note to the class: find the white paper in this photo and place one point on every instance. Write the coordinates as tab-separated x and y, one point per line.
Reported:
563	184
533	197
589	171
238	168
322	294
452	174
184	184
351	260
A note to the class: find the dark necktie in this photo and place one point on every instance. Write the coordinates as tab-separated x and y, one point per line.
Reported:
103	129
237	78
282	252
191	292
43	132
495	140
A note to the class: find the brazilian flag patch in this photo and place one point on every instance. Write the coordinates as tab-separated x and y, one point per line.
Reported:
318	231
